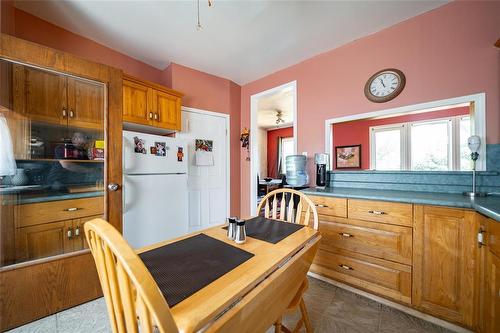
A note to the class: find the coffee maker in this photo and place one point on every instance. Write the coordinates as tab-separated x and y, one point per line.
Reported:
321	161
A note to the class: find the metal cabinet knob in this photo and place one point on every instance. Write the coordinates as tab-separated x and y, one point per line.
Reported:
77	231
151	115
113	187
70	233
376	212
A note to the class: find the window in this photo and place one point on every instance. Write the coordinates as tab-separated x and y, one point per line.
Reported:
287	149
431	145
386	147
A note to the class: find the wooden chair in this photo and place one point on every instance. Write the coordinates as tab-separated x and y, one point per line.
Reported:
281	205
133	299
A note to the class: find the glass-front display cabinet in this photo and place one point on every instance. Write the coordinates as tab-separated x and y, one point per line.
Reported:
52	161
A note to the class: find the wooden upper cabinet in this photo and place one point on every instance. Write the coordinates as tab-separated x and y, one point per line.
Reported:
167	110
137	103
446	263
85	103
40	95
147	103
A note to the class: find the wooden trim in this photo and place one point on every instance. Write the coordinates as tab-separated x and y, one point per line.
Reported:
23	298
153	85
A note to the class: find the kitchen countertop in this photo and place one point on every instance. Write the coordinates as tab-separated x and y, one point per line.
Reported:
488	206
23	197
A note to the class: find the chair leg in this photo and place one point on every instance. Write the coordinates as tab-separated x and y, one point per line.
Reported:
305	316
277	325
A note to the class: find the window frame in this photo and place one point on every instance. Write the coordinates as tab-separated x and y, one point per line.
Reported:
405	142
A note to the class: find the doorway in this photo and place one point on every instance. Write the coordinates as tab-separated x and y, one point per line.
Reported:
273	136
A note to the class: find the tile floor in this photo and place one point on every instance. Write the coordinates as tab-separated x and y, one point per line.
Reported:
331	310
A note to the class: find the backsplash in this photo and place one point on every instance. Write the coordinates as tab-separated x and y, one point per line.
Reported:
429	181
57	176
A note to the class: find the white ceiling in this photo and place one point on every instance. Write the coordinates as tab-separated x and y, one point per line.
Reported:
268	105
241	40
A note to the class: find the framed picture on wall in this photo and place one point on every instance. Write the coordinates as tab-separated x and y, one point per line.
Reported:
348	157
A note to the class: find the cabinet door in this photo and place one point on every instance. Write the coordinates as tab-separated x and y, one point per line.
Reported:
492	294
446	265
79	240
44	240
137	103
167	110
85	104
40	95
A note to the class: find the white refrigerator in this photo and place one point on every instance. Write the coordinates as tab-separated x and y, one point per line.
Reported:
155	193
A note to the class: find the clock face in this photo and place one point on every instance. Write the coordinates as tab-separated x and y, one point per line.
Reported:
384	85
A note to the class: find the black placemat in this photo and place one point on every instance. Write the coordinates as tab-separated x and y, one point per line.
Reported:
182	268
268	230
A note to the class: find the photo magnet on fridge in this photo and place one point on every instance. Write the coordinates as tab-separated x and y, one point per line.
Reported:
161	149
139	145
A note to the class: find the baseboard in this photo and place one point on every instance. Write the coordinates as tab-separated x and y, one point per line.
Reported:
397	306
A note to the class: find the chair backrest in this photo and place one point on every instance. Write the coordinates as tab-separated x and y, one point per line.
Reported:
133	299
289	205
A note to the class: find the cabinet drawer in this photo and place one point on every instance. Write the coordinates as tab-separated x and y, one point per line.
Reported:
383	241
330	206
381	211
494	236
379	276
39	213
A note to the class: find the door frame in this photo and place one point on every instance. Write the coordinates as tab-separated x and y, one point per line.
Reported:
227	118
82	285
254	154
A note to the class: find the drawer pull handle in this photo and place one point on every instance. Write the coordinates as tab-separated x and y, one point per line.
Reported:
72	209
321	206
151	115
376	212
345	234
347	268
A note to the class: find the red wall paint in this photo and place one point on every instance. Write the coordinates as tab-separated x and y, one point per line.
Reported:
357	132
272	149
202	90
444	53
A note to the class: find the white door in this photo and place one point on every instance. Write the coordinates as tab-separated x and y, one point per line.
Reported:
207	185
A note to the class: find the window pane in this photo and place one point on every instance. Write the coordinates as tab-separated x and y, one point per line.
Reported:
429	146
388	150
286	150
465	160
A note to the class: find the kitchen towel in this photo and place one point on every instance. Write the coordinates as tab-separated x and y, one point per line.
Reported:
7	161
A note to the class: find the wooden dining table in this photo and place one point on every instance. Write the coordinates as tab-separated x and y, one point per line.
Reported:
253	295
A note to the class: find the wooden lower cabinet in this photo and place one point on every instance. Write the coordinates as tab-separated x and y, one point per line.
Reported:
381	277
446	263
492	294
44	240
427	258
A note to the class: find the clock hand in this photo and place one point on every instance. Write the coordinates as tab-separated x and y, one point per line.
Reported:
382	83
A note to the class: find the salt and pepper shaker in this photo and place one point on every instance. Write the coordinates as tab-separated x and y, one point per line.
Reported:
231	228
241	235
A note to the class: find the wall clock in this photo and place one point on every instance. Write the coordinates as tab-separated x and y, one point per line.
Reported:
385	85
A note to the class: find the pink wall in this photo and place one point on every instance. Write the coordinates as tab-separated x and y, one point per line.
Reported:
32	28
357	132
202	90
272	149
444	53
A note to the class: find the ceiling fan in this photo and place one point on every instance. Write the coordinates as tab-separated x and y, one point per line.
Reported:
279	117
